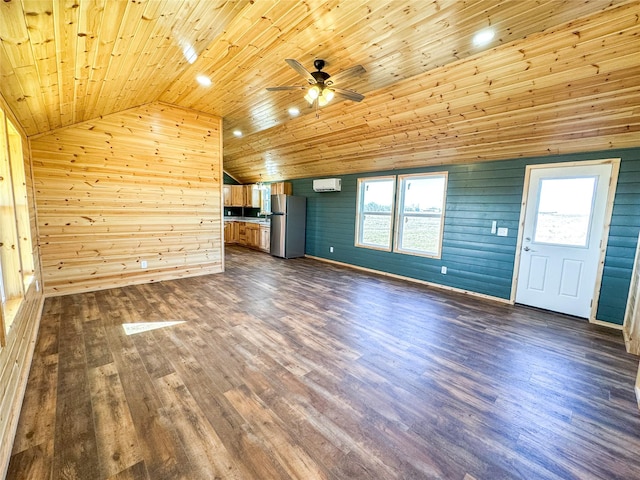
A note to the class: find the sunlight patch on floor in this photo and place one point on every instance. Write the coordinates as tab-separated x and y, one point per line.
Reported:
133	328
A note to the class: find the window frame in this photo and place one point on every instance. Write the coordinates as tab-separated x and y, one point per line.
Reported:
397	214
587	238
401	214
17	260
360	212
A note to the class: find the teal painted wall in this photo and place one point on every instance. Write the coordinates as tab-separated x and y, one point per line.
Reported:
228	180
477	260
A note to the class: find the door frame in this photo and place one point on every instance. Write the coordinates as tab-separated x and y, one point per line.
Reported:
613	182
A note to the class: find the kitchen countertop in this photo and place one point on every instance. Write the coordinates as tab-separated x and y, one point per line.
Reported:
261	220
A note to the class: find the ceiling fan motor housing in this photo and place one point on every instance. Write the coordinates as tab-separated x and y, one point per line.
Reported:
319	76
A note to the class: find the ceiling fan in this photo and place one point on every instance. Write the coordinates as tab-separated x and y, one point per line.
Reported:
322	89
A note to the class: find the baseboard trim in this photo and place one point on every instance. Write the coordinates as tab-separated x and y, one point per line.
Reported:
602	323
414	280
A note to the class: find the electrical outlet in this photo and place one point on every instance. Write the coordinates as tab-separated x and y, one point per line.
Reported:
143	264
330	249
443	270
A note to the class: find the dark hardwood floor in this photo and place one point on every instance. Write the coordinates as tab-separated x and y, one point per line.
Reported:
299	369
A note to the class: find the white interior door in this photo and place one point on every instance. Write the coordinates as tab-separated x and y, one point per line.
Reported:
563	228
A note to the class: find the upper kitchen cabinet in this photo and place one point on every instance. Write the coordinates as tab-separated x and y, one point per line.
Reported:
252	196
237	195
233	195
282	187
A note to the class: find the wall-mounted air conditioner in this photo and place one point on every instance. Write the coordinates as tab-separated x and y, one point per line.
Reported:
327	185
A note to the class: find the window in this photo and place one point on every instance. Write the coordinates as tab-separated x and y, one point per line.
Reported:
416	217
420	213
16	250
564	211
375	212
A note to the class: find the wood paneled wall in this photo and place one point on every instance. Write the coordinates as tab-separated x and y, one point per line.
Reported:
140	185
15	356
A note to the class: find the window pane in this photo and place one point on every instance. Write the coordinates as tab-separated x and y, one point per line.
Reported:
375	230
421	234
423	195
375	212
21	205
378	196
564	211
420	214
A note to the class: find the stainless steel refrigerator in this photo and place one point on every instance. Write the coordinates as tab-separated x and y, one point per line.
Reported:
288	219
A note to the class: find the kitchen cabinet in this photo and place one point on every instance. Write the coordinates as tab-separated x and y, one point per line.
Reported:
236	232
251	196
231	232
237	195
228	228
247	195
242	233
249	234
253	235
282	187
265	238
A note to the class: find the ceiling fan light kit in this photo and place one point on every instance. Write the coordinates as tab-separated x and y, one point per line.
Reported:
321	91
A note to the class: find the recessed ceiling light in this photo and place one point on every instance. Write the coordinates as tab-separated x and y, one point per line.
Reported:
204	80
294	112
237	133
483	37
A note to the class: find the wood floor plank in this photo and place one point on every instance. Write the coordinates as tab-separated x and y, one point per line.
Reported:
296	369
73	417
116	438
96	344
205	450
294	460
36	425
134	472
48	335
34	462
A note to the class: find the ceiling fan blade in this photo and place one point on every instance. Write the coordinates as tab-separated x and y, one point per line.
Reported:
348	94
349	72
297	66
276	89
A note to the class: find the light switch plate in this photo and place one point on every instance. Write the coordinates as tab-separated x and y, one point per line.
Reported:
503	232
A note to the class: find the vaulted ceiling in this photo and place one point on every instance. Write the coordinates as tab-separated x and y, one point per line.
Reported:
558	76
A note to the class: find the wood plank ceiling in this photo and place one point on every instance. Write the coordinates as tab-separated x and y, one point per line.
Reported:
559	76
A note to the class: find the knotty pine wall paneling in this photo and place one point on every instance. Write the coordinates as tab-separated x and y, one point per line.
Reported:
140	185
16	354
478	261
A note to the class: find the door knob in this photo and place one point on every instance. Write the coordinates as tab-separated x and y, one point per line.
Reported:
526	249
